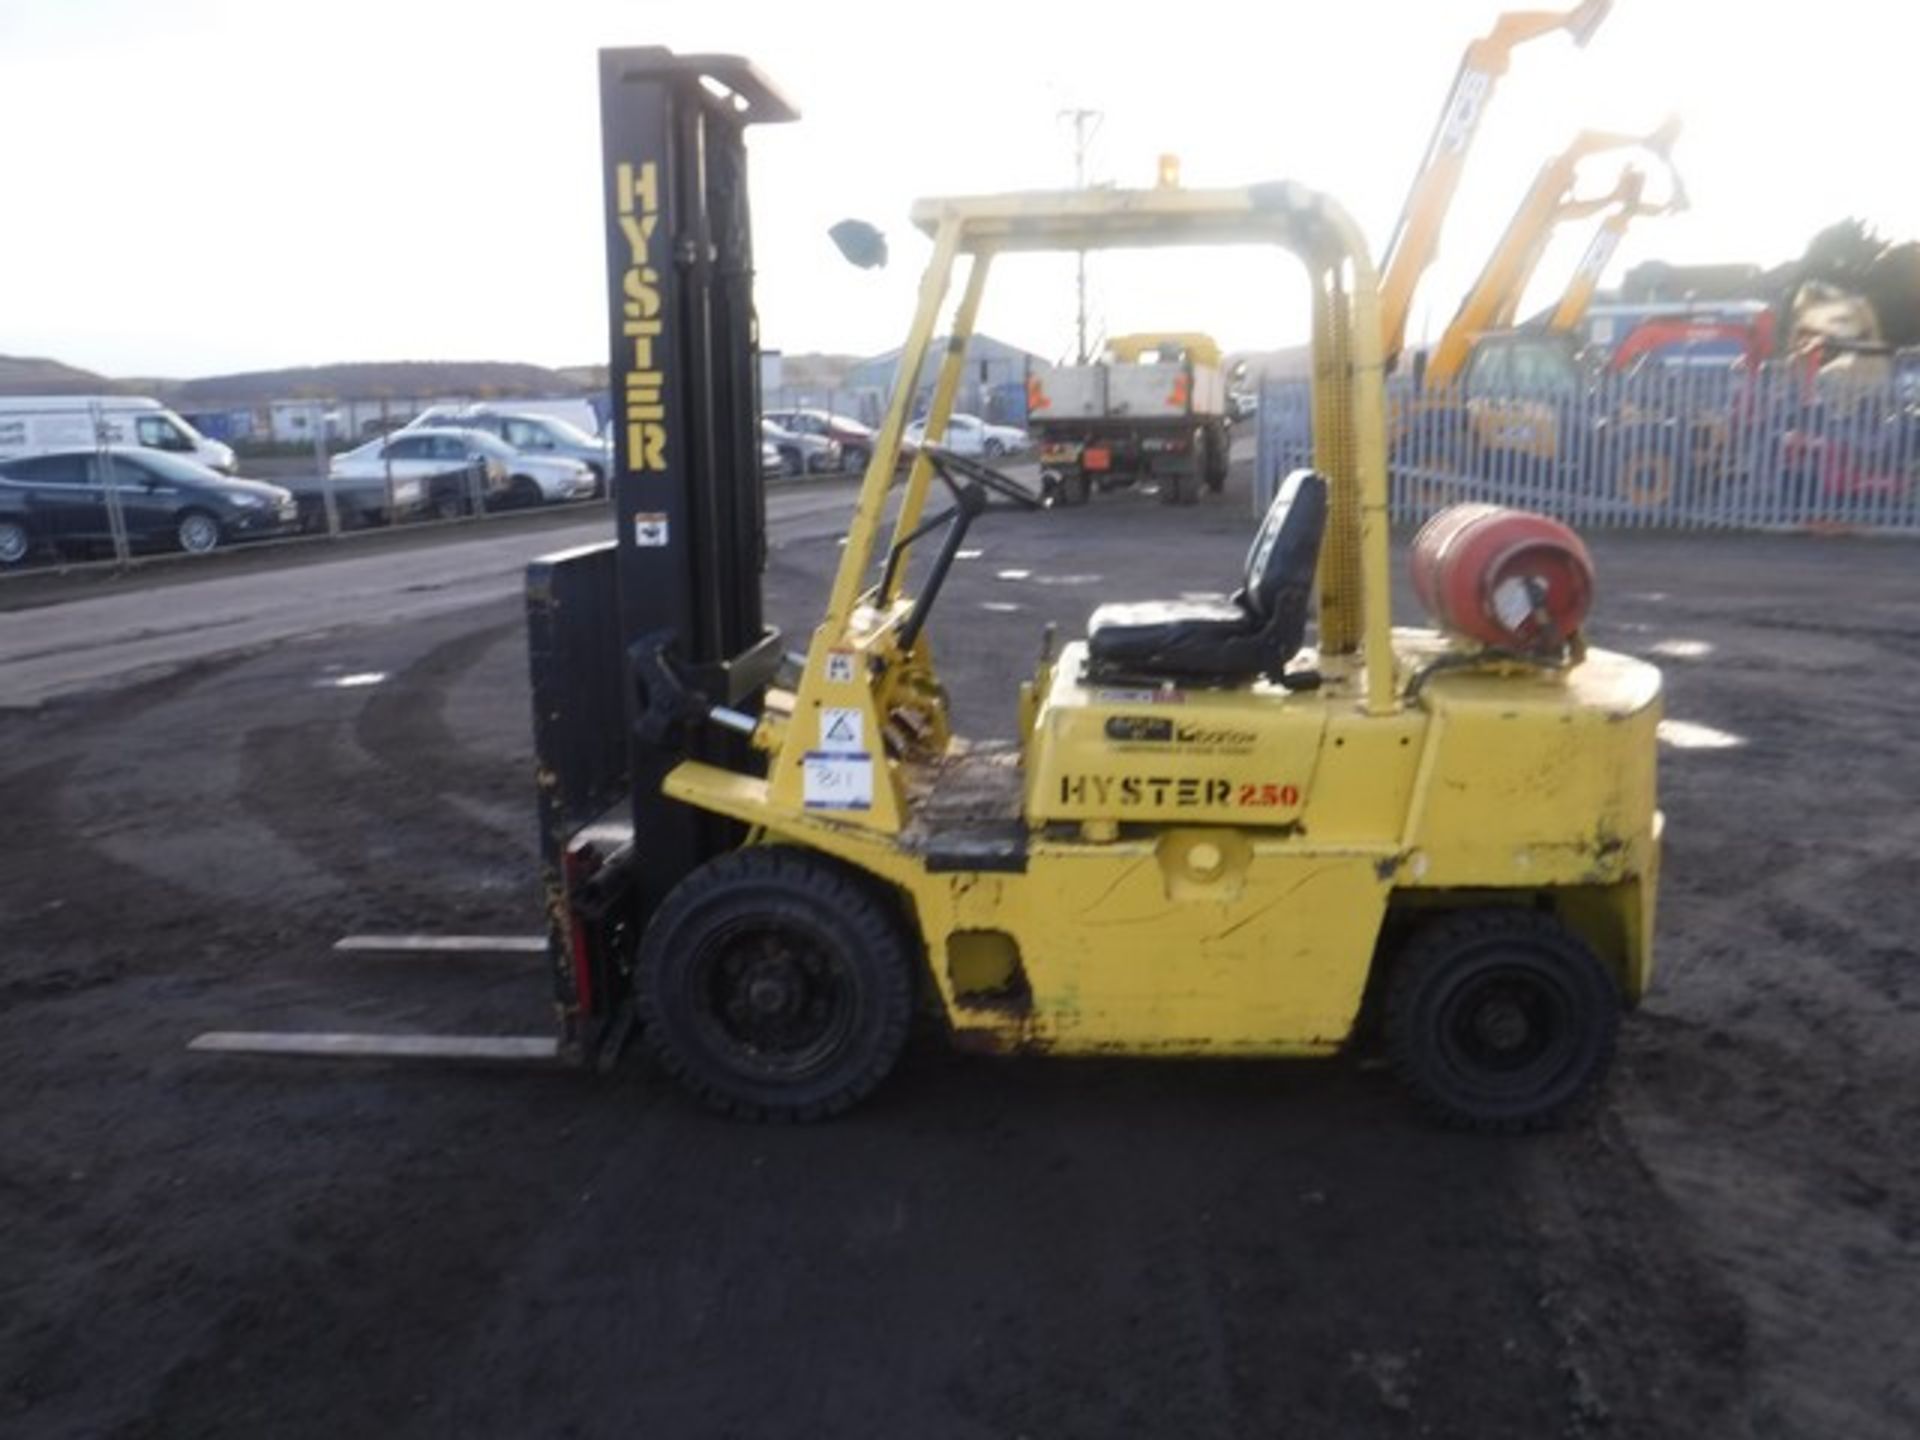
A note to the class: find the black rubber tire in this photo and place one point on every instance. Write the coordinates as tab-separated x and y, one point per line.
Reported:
191	525
792	463
995	449
1467	975
777	905
1074	487
16	543
1179	488
599	473
855	460
524	493
1219	458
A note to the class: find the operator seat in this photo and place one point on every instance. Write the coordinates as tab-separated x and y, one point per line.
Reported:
1254	633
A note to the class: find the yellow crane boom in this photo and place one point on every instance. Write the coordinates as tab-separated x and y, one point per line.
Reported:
1416	235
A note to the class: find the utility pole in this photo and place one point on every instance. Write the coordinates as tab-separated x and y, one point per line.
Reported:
1086	124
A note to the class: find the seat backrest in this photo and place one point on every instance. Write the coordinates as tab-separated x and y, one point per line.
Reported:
1286	550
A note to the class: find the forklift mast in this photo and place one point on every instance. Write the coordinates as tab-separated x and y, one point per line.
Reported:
627	636
683	365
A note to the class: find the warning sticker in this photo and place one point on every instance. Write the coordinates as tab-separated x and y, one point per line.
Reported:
840	667
842	729
833	781
650	529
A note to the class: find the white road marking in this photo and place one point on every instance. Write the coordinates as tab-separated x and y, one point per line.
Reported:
1000	607
443	944
358	681
1012	574
1681	649
1687	735
385	1047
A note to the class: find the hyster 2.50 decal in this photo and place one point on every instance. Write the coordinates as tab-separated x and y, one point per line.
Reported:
1181	792
642	385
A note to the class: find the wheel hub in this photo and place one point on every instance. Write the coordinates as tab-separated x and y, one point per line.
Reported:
1502	1025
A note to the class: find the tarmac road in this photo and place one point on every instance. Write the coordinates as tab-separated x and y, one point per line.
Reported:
212	1247
92	643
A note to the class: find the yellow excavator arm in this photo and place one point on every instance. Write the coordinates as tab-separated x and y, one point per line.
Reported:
1496	293
1416	235
1626	191
1628	207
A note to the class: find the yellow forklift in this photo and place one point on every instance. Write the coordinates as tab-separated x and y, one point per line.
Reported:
1208	838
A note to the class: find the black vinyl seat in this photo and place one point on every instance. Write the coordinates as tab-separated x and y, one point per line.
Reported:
1254	633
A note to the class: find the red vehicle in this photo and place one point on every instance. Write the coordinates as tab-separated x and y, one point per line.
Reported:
854	439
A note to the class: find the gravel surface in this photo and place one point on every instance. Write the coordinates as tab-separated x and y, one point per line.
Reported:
205	1246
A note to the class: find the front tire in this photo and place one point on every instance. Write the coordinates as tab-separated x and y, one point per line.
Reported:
16	544
1501	1020
197	532
524	493
774	984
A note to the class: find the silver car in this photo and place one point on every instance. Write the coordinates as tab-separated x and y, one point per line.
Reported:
529	433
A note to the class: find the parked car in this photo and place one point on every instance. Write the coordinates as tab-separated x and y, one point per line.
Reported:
37	424
413	473
802	454
854	439
964	435
530	433
62	502
1005	440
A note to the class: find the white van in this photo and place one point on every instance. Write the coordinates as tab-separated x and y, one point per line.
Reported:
35	424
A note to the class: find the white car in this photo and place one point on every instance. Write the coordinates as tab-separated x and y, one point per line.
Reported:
1007	440
437	470
529	432
964	435
970	435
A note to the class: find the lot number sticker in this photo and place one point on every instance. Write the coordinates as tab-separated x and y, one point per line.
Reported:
832	781
650	529
842	730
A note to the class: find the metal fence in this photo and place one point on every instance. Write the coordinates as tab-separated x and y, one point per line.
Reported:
1681	448
96	482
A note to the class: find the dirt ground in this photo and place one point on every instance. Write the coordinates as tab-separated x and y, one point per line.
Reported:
198	1246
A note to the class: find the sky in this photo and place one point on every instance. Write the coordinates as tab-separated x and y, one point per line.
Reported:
202	186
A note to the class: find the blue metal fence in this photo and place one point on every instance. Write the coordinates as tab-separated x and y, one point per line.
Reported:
1684	448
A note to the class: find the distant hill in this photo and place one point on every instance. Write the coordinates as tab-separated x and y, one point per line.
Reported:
373	380
28	375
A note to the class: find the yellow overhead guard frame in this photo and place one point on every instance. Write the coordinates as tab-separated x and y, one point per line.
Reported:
1349	428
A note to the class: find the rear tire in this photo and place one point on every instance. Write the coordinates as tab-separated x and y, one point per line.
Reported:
197	532
1074	487
15	543
1500	1020
1179	488
775	984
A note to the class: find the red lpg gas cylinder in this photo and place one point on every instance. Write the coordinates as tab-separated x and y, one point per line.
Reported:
1506	578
